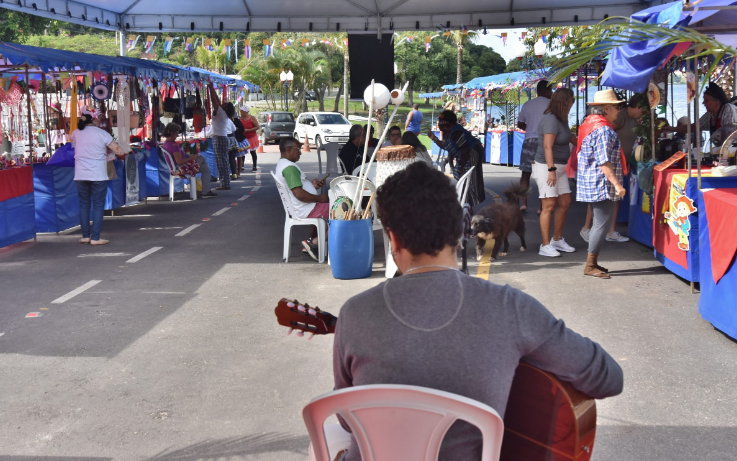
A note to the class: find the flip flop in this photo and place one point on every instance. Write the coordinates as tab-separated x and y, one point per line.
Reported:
599	275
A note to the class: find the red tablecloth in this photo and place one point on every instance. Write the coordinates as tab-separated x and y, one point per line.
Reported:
721	212
15	182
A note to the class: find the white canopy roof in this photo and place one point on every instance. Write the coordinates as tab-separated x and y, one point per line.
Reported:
322	15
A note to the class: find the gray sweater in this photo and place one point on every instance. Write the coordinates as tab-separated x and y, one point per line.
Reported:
448	331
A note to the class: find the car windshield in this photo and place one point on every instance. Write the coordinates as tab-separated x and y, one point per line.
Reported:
331	119
282	117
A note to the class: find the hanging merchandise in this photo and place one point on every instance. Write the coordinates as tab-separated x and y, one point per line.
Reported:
124	114
100	92
73	108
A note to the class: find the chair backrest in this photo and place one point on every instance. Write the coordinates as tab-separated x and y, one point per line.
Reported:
391	421
463	184
331	150
286	200
346	186
169	161
370	171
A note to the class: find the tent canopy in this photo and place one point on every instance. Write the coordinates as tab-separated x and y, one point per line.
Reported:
323	15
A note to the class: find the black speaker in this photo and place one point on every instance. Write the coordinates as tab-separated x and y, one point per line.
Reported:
380	65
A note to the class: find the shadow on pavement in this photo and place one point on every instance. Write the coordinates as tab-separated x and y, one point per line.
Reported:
236	446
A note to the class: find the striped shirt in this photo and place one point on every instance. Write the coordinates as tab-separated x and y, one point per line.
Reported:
599	147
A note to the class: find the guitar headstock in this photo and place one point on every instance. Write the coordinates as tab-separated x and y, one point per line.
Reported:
304	318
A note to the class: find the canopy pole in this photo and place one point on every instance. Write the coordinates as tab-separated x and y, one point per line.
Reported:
672	102
30	119
578	95
698	126
122	43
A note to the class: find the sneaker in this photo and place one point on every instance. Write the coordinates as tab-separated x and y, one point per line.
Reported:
616	237
84	240
99	242
209	194
561	245
222	188
548	250
311	248
585	234
233	177
254	170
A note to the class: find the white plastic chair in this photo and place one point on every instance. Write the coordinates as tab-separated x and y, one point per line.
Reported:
292	220
369	170
331	162
463	185
174	173
397	422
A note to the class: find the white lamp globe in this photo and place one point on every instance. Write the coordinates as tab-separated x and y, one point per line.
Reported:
397	96
283	76
539	49
290	75
381	96
520	52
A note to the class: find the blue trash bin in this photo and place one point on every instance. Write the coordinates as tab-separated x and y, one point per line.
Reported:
351	247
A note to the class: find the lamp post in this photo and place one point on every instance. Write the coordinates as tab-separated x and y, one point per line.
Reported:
286	80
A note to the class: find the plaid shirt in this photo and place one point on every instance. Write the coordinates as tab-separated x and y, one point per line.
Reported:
599	147
727	115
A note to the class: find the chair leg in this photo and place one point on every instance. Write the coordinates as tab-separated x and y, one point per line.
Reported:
391	266
321	242
171	188
287	238
193	187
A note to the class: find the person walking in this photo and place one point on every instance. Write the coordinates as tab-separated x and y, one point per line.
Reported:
549	171
529	118
599	174
250	128
464	151
221	115
91	145
414	120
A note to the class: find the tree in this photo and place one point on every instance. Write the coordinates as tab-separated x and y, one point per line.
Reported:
17	27
459	40
480	61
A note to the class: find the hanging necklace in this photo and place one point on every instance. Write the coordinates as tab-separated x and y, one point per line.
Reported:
430	265
403	322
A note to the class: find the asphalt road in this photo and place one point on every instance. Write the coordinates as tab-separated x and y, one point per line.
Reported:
176	355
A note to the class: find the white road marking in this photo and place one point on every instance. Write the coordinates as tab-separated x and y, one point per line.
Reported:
256	188
75	292
144	254
219	212
188	230
248	187
243	198
160	228
102	255
2	333
65	232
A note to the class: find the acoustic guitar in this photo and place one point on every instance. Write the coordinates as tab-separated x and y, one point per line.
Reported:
546	419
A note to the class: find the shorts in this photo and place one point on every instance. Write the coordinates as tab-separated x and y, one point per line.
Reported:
527	157
540	174
321	210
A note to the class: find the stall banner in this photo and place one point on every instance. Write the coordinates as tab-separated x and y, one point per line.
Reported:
721	213
17	214
677	210
494	149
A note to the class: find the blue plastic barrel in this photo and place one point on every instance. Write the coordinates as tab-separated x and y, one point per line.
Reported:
351	247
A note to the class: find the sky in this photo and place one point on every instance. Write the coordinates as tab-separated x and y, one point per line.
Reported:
492	40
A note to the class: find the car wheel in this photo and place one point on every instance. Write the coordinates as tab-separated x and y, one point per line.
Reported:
318	142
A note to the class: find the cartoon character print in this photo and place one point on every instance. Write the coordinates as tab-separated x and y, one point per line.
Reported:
679	223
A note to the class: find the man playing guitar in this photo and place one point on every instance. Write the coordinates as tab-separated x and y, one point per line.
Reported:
438	328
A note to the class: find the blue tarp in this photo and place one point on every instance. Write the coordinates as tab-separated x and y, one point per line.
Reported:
453	86
56	197
430	95
480	83
631	67
17	220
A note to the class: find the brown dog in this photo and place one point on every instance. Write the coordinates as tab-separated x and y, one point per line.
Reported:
497	221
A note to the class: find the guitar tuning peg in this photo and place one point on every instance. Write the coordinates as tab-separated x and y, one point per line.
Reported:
312	335
300	333
290	331
312	311
290	304
301	308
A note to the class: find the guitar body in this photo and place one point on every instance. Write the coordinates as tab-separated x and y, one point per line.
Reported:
547	420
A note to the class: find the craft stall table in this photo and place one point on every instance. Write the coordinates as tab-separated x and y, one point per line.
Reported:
497	147
17	215
717	248
640	226
56	197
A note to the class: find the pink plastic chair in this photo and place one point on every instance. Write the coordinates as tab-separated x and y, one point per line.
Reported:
397	422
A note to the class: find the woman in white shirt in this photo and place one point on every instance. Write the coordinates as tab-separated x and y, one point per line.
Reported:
91	145
221	115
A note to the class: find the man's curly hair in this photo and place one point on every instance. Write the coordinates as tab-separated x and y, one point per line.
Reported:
421	207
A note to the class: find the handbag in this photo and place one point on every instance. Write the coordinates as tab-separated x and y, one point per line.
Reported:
198	120
190	102
172	105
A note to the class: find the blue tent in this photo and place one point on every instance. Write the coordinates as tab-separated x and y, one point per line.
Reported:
430	95
630	67
479	83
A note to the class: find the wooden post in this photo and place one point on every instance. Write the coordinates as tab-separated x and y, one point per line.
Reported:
30	119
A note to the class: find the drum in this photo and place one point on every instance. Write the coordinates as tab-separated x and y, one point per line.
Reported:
391	159
341	206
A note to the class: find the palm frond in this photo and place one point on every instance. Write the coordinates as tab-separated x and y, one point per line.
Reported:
592	44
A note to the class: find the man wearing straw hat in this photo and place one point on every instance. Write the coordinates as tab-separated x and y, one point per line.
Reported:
303	193
599	175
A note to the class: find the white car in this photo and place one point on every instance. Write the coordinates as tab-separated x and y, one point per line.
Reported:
322	128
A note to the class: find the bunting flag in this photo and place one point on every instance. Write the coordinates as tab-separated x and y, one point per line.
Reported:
305	42
446	33
504	38
522	37
285	44
409	39
464	30
247	44
226	47
544	36
168	41
208	44
267	48
188	44
325	41
564	35
427	43
132	41
345	42
150	40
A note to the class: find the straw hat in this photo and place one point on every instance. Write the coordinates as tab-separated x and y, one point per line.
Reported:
605	97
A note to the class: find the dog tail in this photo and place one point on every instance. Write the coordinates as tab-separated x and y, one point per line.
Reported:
515	192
